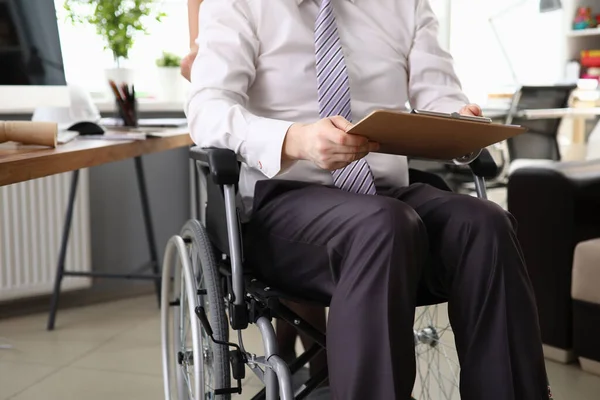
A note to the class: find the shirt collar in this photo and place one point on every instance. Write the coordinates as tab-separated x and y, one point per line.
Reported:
301	1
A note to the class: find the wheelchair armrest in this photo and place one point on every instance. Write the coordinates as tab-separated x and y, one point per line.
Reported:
484	166
222	163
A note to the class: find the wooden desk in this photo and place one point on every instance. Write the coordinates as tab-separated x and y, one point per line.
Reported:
575	112
19	163
578	114
496	115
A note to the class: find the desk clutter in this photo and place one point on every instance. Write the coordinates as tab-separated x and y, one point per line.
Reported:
120	133
47	133
25	132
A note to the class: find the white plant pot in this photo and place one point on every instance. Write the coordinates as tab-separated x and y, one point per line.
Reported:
119	75
172	86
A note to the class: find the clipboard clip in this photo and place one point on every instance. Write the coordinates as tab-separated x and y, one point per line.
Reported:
453	115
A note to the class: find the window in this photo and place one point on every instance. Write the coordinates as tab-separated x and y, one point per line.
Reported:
534	43
86	62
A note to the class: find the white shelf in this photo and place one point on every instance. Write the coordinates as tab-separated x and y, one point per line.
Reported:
584	32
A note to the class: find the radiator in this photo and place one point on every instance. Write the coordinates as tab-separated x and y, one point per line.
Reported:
31	221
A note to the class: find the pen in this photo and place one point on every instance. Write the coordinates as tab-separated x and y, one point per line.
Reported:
120	102
128	103
133	107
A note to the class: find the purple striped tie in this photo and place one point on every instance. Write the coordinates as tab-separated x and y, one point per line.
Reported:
334	96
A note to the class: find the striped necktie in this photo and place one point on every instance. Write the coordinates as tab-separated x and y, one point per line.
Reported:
334	96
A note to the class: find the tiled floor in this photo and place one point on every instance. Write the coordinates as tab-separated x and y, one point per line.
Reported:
112	351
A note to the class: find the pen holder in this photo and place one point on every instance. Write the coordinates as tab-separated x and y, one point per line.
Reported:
127	113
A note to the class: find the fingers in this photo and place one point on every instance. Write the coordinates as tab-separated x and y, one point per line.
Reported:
334	148
365	148
186	72
341	123
373	146
475	109
471	109
186	65
341	149
335	129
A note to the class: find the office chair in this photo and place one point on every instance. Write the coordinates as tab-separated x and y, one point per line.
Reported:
540	142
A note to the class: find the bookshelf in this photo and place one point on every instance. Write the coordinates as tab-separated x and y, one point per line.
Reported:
578	40
583	32
575	42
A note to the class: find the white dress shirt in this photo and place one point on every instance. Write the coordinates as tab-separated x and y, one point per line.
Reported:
255	75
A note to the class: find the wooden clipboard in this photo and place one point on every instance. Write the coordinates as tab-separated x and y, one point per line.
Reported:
431	136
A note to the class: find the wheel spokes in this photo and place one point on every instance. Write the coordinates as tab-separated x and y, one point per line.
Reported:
189	356
436	357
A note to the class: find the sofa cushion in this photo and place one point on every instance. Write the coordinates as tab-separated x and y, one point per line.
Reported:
586	272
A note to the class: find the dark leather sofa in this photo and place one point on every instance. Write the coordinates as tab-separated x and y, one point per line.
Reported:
556	205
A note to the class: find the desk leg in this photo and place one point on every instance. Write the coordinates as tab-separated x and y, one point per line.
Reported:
60	269
139	169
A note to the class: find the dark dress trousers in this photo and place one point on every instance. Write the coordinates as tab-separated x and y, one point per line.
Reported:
377	257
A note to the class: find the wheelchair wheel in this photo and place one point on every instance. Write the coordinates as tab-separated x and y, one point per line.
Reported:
438	369
190	358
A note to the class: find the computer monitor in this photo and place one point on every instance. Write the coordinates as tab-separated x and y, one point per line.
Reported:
31	65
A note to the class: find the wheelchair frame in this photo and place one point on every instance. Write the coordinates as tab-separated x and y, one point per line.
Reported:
250	301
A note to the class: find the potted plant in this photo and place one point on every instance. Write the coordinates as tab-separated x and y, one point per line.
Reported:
117	22
169	77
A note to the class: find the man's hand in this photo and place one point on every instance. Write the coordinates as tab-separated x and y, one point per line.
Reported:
472	110
326	143
186	64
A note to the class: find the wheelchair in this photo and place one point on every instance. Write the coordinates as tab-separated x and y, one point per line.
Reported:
206	291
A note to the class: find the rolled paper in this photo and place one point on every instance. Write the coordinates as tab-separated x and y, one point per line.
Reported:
27	132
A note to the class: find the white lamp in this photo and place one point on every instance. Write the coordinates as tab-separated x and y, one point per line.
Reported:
550	5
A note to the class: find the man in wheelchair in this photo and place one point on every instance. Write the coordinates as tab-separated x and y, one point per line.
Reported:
328	220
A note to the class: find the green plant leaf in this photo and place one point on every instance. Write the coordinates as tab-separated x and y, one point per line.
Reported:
168	60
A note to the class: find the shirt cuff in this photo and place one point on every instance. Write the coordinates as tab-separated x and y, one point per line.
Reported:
264	143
